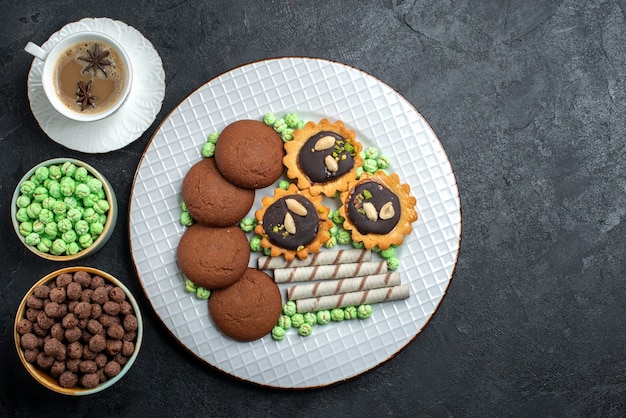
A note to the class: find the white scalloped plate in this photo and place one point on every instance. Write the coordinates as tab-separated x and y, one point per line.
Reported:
131	120
313	89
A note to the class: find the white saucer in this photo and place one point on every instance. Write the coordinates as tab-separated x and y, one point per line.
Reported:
131	120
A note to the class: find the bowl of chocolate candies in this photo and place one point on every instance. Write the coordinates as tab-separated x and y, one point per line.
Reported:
63	209
78	330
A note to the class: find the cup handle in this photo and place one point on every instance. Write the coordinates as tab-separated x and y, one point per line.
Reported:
36	51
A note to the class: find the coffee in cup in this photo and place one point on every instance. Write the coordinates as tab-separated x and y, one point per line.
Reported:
86	76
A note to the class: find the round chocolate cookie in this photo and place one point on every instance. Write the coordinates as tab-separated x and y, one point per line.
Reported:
213	258
249	154
249	308
211	199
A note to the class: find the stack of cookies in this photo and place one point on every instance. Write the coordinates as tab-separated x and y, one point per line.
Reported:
214	252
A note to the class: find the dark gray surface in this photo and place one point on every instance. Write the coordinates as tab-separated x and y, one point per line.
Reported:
528	101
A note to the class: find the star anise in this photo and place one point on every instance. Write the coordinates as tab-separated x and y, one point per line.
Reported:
97	60
84	96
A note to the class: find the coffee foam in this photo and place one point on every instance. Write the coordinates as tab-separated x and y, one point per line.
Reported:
69	70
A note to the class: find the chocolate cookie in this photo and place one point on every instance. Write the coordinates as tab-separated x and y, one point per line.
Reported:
213	258
249	308
249	154
211	199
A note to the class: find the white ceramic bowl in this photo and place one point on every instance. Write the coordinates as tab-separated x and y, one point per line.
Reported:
42	376
109	225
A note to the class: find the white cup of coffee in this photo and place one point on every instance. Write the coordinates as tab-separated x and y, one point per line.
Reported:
86	76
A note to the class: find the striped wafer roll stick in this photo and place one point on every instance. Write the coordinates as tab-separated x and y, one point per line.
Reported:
317	259
338	271
384	294
334	287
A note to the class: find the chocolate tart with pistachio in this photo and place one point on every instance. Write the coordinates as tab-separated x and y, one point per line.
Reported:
293	223
378	210
323	157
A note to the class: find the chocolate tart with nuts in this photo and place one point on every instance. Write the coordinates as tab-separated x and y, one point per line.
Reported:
378	210
323	157
293	223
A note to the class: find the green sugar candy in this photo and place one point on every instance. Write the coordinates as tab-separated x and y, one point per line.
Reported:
292	119
383	162
33	210
69	236
38	227
101	207
364	311
44	245
323	317
81	174
68	168
51	230
68	186
269	119
46	216
278	333
28	187
393	263
48	202
190	286
349	312
42	173
82	191
212	138
72	248
255	243
40	193
85	240
25	228
297	320
58	247
54	189
287	135
371	153
71	202
337	315
305	330
280	125
202	293
81	227
208	149
32	239
283	184
370	165
289	308
247	224
96	228
331	242
22	215
90	200
74	215
186	219
54	172
358	244
64	225
59	207
23	201
284	321
90	215
337	218
343	237
310	318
